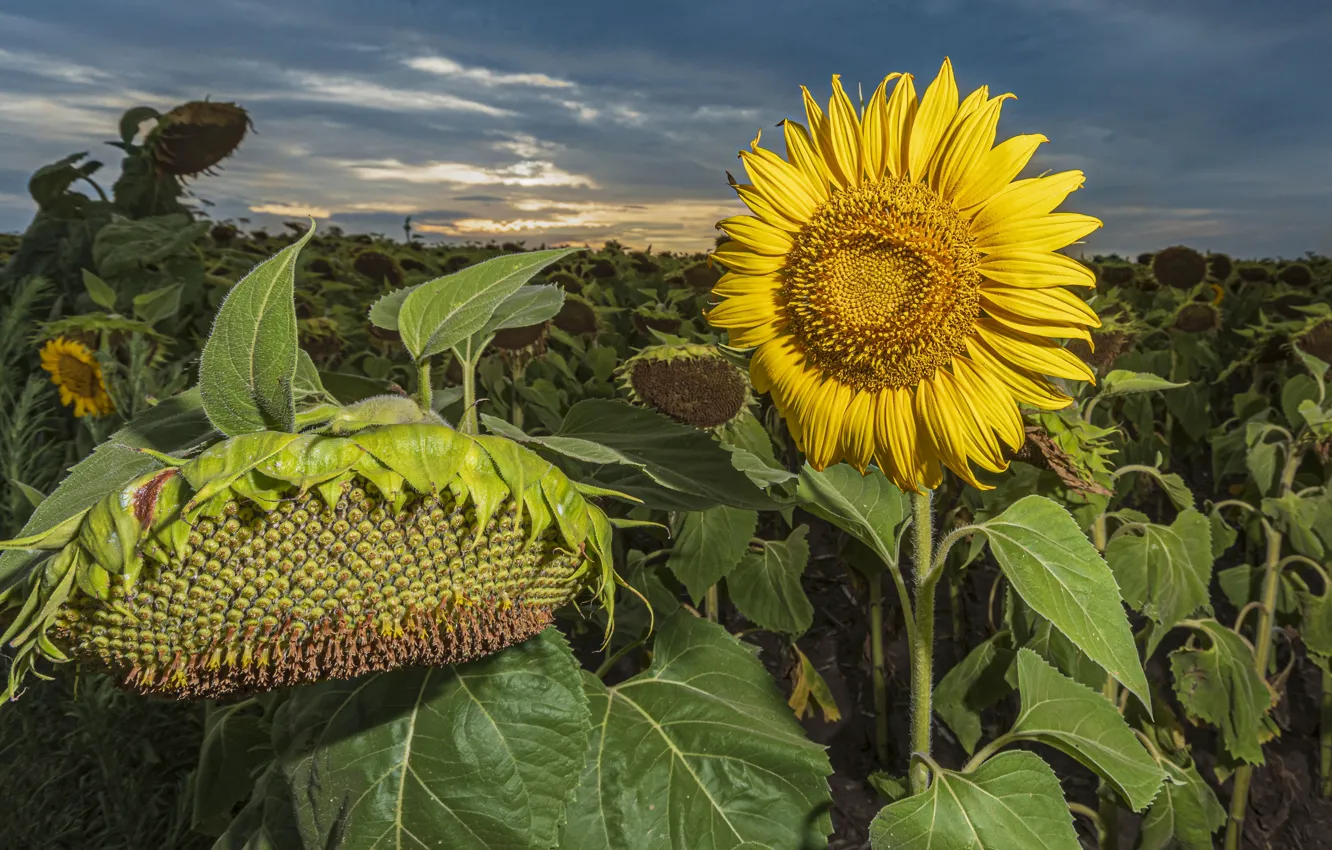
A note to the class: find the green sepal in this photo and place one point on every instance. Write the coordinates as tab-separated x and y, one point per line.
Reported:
520	469
625	522
51	651
54	569
482	482
569	508
219	465
388	482
24	615
53	538
100	535
591	490
54	600
427	455
311	459
264	490
331	490
93	579
213	508
539	512
165	459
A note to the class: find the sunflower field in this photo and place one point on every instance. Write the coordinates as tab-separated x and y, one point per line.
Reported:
892	522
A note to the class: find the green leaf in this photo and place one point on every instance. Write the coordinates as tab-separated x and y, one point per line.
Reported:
972	685
268	821
1224	535
709	545
102	295
674	456
349	388
765	586
1081	723
307	382
1186	811
1164	571
699	751
1296	517
172	425
440	314
1295	390
1123	382
1058	572
529	305
152	307
868	507
1221	686
248	366
472	757
34	496
1262	458
1190	407
384	312
1243	584
127	245
1316	621
237	741
1011	802
132	118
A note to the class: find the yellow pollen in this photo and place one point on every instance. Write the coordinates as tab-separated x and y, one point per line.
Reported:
882	287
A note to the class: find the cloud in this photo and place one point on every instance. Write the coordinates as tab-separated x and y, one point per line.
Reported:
485	76
525	173
50	67
296	210
353	91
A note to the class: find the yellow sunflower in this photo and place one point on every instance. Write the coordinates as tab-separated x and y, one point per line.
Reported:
77	373
901	288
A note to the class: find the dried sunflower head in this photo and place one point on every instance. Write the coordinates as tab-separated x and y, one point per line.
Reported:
692	384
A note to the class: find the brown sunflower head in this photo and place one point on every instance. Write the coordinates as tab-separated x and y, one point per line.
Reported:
379	267
1145	259
1253	273
1296	274
528	338
1109	345
1317	341
1197	317
576	317
602	269
702	275
692	384
1116	274
1179	267
196	136
1219	267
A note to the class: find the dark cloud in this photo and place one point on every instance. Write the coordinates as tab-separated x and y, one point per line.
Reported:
597	119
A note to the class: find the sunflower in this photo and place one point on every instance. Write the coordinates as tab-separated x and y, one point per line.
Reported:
901	289
77	373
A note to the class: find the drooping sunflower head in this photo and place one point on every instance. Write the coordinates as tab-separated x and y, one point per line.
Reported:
196	136
901	290
692	384
1179	266
77	373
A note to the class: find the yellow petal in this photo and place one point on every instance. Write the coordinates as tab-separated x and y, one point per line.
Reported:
1026	199
1041	233
968	149
1051	306
1000	412
758	334
775	364
965	111
937	108
823	434
784	184
732	284
996	169
1033	353
813	115
744	311
1026	387
737	258
800	151
843	139
933	409
1035	269
898	446
858	431
757	236
874	131
765	209
901	117
969	411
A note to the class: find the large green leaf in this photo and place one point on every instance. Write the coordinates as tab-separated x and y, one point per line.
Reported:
248	365
972	685
1083	724
442	313
1124	382
126	244
709	545
268	820
1185	812
172	425
475	757
1220	685
236	743
674	456
869	507
699	751
1058	572
1164	570
1011	802
765	586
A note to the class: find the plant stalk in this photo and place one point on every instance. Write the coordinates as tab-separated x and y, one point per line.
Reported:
880	679
1325	734
712	604
922	651
516	409
424	391
1108	809
1239	800
469	423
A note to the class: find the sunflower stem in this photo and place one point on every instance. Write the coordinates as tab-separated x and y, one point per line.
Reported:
516	410
1108	832
1239	799
1325	735
880	680
922	652
469	424
424	391
712	604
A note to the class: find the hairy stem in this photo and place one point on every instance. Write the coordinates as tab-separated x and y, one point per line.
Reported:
880	680
516	409
1108	816
922	651
469	424
1239	800
423	388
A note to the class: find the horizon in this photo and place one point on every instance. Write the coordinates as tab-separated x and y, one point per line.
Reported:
519	123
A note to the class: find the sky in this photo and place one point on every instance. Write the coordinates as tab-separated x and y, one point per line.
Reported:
1196	121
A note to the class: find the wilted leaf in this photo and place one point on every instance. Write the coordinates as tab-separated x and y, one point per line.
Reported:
806	684
1186	811
1219	685
1058	572
700	752
1011	802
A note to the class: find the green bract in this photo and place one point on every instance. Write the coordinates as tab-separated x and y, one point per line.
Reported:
272	559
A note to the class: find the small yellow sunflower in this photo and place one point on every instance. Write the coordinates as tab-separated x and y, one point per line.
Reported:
77	373
901	288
